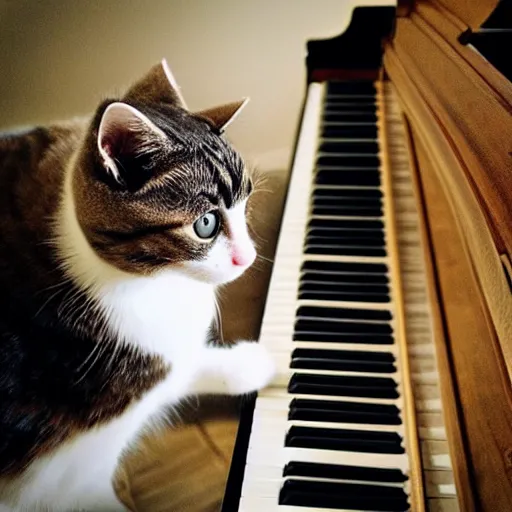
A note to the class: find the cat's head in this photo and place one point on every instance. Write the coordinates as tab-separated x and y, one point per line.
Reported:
158	187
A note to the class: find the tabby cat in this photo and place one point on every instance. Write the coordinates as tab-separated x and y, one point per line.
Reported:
114	233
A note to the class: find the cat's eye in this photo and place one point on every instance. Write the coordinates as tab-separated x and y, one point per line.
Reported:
208	225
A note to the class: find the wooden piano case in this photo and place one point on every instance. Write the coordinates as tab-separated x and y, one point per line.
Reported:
457	108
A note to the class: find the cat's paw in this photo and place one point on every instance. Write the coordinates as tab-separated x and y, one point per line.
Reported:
252	368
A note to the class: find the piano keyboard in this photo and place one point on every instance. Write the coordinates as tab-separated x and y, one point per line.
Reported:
332	432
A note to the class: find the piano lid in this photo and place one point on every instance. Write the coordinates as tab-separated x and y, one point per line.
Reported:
357	52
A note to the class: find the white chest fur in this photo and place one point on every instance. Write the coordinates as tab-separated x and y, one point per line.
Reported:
167	315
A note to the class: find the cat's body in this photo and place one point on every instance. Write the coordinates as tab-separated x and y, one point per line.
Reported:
108	289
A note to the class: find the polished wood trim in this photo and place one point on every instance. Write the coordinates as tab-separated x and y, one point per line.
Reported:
417	493
450	397
471	13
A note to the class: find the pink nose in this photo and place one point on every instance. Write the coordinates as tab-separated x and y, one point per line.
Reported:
239	260
243	258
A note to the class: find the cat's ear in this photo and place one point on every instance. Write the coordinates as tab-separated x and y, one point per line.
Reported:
158	86
223	116
125	135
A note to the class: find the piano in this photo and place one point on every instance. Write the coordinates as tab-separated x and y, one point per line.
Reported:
389	310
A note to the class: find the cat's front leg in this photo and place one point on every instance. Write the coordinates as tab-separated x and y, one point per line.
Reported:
242	368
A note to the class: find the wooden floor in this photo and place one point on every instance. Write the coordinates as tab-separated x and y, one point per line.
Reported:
184	468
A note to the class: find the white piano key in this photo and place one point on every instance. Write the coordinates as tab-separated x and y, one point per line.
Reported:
286	344
273	398
269	487
280	456
436	455
284	374
442	505
278	421
263	473
257	504
360	347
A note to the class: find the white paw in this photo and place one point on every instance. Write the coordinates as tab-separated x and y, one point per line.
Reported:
252	368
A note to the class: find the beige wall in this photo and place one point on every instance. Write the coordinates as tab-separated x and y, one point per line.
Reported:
59	58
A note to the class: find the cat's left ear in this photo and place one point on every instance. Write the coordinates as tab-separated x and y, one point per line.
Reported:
221	117
158	86
126	136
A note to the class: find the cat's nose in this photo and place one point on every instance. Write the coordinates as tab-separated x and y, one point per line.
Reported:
243	258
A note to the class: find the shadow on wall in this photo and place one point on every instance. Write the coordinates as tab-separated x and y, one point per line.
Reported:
59	58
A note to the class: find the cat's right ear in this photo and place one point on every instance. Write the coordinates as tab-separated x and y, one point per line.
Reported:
126	139
158	86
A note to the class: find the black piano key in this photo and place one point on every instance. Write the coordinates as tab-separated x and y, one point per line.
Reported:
330	337
344	472
351	87
349	117
348	161
334	266
342	327
345	289
327	313
330	411
341	233
356	356
348	177
336	288
334	228
342	278
350	146
358	225
350	131
367	441
348	193
344	297
344	251
344	211
336	495
347	105
340	241
336	385
340	364
337	196
346	202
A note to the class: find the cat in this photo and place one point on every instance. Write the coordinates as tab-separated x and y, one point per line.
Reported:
114	233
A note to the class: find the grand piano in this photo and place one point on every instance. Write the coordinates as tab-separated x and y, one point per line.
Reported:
389	310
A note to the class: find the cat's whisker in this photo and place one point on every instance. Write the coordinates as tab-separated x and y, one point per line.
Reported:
98	350
263	190
258	266
256	235
53	287
268	260
46	302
